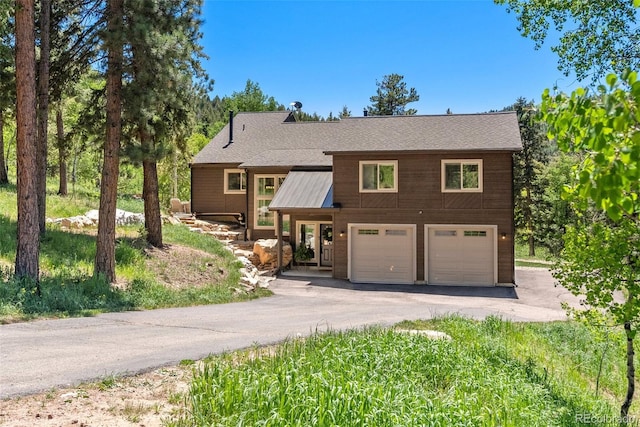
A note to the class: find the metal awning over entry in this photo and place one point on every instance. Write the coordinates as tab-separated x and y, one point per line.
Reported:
304	193
304	190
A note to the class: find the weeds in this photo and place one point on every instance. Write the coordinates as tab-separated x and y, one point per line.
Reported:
108	382
133	413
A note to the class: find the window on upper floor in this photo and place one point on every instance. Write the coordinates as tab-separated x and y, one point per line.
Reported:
235	181
462	176
378	176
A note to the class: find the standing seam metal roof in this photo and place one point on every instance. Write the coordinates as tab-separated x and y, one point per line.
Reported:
302	190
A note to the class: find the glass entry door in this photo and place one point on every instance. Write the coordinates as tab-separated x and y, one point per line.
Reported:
314	243
306	250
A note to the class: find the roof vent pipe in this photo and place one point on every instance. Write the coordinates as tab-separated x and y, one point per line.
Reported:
230	126
365	112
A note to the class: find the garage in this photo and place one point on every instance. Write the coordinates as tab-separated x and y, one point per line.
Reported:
382	253
461	254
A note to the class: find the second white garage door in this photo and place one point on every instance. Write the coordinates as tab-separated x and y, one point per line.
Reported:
382	253
460	255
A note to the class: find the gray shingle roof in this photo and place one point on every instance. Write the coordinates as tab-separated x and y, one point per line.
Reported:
293	157
266	139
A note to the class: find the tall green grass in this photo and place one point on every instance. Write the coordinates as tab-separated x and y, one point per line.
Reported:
485	376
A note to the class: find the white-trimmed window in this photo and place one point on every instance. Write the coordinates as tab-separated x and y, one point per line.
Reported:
235	181
266	186
378	176
462	176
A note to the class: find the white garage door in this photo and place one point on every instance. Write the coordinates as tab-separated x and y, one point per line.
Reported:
382	253
460	255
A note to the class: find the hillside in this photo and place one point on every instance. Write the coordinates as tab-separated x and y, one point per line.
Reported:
191	269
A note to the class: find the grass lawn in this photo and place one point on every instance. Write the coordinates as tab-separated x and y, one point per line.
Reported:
543	257
210	273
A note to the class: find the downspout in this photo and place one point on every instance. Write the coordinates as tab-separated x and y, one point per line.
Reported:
191	190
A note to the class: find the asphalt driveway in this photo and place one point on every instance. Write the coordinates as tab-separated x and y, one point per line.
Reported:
37	356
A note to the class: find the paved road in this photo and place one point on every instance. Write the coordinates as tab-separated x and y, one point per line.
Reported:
37	356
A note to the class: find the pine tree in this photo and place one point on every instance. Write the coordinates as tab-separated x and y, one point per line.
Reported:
344	113
163	54
392	97
27	251
43	110
75	26
105	264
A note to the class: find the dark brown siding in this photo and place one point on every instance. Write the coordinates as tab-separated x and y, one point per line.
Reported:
420	201
207	191
419	183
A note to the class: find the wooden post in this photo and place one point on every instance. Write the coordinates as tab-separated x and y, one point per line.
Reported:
279	237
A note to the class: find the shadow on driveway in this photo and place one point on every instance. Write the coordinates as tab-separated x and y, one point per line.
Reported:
507	292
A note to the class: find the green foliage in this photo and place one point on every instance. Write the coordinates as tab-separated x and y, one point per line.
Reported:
597	36
304	253
251	99
527	166
126	254
553	213
68	293
542	258
606	128
174	174
601	262
392	96
491	373
344	113
601	258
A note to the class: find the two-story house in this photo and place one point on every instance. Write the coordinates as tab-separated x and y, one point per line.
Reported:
378	199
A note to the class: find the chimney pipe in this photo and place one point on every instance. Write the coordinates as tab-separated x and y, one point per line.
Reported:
230	126
365	112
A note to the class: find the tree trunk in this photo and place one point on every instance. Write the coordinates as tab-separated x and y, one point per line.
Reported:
105	245
62	153
631	373
43	111
27	251
532	246
152	219
4	178
174	160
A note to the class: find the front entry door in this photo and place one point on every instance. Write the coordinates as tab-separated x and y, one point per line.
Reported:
326	243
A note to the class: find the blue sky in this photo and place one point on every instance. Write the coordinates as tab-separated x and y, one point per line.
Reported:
464	55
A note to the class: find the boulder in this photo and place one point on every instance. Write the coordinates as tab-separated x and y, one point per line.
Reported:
122	217
79	221
267	252
170	219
